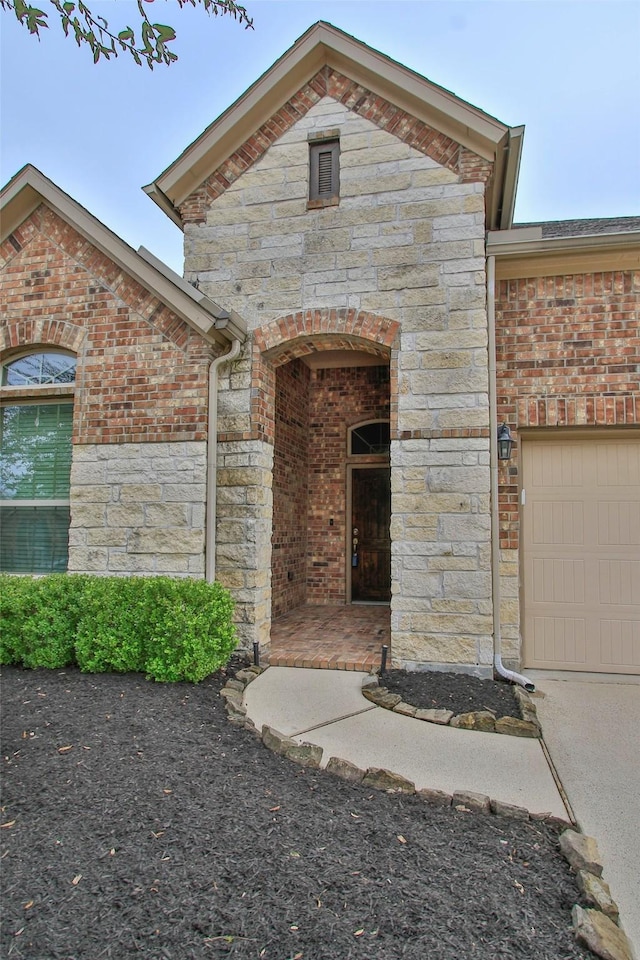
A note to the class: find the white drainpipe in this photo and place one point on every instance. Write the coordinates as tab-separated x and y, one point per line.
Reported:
212	461
498	665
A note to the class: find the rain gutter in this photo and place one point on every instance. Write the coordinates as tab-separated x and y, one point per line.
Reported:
498	665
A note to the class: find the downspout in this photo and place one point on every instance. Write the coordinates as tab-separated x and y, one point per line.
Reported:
498	665
212	461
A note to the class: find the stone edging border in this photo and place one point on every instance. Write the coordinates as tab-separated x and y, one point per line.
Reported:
595	926
484	720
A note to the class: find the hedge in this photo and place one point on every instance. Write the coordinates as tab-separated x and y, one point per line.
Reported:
169	629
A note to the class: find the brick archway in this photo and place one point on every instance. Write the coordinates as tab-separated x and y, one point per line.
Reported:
20	334
313	331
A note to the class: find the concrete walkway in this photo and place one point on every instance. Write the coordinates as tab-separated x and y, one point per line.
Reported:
592	731
326	707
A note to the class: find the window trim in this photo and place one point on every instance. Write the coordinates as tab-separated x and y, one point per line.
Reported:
38	394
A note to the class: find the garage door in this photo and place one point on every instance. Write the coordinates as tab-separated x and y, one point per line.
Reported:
581	552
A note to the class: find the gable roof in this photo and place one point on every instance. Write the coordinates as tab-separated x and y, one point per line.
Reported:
323	45
24	193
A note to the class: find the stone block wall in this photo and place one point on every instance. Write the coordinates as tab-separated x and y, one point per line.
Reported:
138	508
405	246
441	556
244	528
567	350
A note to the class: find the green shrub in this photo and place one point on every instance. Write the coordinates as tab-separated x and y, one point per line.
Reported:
38	619
17	603
113	626
192	633
168	629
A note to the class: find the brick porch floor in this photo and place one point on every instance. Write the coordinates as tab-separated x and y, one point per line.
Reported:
346	637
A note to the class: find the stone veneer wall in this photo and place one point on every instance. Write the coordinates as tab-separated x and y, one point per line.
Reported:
567	356
244	528
138	508
405	243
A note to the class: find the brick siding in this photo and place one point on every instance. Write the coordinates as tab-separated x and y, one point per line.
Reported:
339	398
568	351
314	410
290	487
142	372
305	332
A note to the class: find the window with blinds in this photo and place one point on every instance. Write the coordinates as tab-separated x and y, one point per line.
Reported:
324	170
35	466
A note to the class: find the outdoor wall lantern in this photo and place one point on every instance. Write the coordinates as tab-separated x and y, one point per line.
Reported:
505	442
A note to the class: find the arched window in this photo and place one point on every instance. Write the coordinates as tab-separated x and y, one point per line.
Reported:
35	462
370	439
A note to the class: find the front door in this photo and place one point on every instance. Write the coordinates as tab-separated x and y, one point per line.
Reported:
371	542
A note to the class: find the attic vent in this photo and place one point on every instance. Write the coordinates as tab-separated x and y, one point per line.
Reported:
324	171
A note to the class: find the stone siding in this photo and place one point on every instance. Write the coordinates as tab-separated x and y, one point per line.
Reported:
243	536
138	508
441	557
404	245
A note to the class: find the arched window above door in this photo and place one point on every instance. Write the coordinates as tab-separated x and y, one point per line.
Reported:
370	439
35	468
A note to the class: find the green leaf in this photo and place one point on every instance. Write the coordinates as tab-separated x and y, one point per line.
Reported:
35	19
164	33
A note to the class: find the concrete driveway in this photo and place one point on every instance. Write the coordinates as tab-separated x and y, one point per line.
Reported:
591	727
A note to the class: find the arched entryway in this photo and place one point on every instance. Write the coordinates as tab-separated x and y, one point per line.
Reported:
328	381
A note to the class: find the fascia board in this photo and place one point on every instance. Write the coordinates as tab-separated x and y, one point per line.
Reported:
510	243
30	188
324	45
528	255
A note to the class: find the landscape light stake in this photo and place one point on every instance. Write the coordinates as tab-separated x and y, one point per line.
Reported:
383	659
256	653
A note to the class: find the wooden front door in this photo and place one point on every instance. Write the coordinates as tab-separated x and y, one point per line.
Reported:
370	517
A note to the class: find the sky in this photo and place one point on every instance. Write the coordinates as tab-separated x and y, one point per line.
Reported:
568	71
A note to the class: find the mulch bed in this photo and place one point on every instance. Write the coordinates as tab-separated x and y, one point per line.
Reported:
460	692
138	822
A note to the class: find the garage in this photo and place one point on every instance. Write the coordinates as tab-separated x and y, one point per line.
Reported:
581	553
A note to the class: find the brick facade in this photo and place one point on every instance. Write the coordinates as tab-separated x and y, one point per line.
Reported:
140	399
567	350
369	306
339	398
314	411
141	374
290	487
567	356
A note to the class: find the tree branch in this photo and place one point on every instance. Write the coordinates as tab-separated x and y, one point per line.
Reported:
151	47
